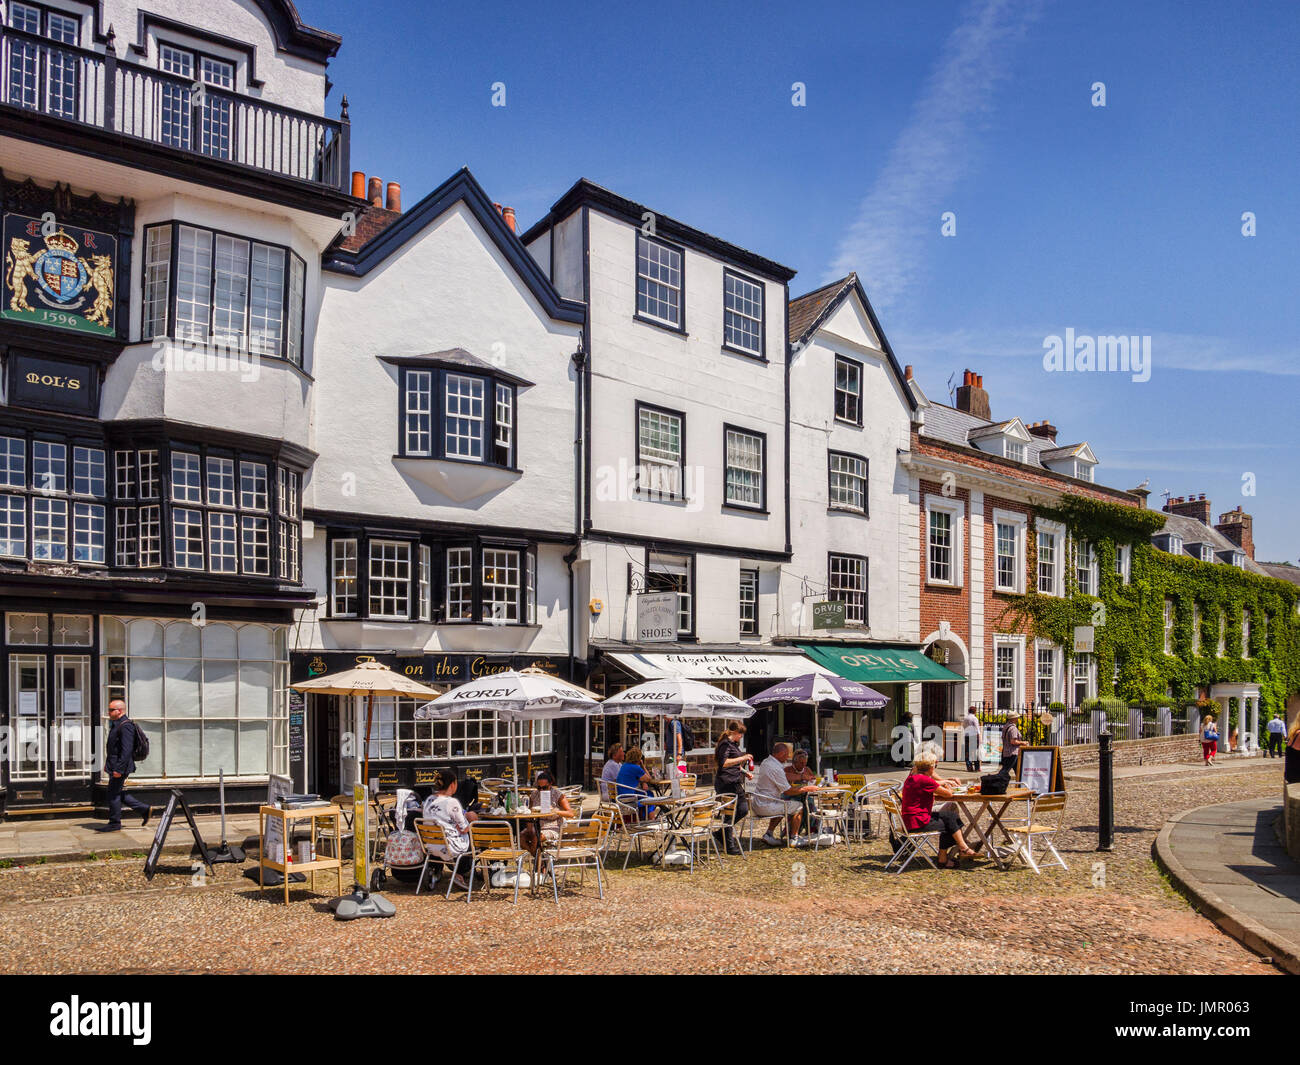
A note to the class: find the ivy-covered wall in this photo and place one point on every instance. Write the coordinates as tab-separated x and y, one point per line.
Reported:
1132	615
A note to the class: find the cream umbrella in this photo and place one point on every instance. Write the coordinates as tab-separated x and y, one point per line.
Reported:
368	678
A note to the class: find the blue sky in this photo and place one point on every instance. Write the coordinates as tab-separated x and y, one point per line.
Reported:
1116	220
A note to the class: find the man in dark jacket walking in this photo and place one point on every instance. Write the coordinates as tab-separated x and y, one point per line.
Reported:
119	764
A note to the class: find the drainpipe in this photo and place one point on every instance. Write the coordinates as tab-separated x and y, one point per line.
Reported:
579	360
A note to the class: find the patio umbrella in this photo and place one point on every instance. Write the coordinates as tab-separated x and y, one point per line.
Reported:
516	695
368	678
677	696
821	690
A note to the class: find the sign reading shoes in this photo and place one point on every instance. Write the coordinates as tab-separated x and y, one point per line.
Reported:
60	276
656	617
77	1018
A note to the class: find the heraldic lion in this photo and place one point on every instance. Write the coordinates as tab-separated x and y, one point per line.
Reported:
19	265
101	279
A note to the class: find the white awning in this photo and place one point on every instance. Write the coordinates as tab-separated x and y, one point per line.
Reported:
717	666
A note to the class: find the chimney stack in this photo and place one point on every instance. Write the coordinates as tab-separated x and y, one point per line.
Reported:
1190	507
1142	494
1044	430
972	398
359	184
395	197
1239	528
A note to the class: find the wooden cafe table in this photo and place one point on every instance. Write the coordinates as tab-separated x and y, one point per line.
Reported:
518	818
976	806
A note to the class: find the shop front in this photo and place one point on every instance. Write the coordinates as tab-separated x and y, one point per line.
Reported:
852	739
210	696
741	673
327	732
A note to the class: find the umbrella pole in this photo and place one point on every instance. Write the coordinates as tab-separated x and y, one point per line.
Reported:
530	751
365	772
817	743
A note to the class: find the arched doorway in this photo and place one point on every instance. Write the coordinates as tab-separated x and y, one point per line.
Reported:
942	702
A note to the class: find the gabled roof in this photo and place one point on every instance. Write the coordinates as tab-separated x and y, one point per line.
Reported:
454	358
385	233
810	311
588	193
1283	571
1013	427
294	36
1077	451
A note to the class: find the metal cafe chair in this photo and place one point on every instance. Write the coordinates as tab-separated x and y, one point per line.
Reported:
1045	820
914	844
493	841
581	844
433	835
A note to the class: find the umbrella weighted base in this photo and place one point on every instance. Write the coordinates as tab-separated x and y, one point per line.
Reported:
361	903
227	852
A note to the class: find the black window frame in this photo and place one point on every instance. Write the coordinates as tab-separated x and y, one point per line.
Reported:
866	586
690	635
438	547
866	483
835	406
208	342
70	498
761	353
42	75
641	490
638	315
745	570
749	508
438	414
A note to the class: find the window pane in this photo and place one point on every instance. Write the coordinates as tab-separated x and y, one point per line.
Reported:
659	281
223	553
848	585
187	537
266	307
940	546
464	417
187	485
49	530
343	579
848	391
253	486
660	436
13	462
221	482
49	466
749	602
89	533
230	290
744	468
13	526
390	579
193	279
743	313
293	347
125	534
255	534
501	586
848	482
157	267
419	412
460	576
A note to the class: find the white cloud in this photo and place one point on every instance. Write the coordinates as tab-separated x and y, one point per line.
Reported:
932	151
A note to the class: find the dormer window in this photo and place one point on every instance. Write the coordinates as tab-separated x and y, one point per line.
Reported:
447	414
1013	450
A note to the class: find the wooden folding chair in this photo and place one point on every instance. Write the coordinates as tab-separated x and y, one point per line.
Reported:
1045	820
493	841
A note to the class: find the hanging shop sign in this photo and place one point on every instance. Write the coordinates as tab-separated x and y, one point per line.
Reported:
656	617
59	275
828	615
438	669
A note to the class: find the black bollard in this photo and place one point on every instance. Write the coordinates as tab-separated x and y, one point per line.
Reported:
1105	795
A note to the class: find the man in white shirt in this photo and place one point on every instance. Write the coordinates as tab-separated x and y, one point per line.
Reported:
609	774
1276	736
971	740
775	797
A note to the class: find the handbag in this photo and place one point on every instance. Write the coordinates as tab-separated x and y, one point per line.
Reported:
995	783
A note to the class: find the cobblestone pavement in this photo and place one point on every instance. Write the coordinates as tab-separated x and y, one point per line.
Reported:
838	913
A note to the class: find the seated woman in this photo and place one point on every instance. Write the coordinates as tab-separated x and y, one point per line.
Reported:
633	778
920	790
550	831
443	808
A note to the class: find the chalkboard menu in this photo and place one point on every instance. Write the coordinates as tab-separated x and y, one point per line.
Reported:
298	741
164	826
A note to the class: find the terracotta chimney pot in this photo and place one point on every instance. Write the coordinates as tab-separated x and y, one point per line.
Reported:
395	197
359	184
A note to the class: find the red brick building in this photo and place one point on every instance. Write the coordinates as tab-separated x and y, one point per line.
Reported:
978	484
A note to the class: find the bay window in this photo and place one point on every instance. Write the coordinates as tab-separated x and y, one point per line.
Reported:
231	291
60	487
449	414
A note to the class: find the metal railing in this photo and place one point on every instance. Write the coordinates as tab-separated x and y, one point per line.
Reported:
1083	724
97	89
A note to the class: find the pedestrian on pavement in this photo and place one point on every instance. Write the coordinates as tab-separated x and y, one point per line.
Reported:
1291	768
971	740
1209	740
119	763
1276	737
734	767
1012	741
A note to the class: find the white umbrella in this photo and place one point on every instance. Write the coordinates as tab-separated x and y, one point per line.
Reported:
677	697
524	695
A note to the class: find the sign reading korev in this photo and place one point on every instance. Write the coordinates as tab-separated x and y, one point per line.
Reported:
57	275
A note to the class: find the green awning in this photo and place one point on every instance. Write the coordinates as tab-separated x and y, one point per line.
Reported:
880	665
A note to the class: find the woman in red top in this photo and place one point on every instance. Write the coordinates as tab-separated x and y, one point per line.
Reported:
920	790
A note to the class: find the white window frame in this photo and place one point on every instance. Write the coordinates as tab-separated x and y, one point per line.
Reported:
1124	562
1013	449
1047	647
1077	547
849	585
1018	523
735	308
1059	542
1170	615
736	474
749	581
1246	619
378	562
660	273
955	510
1090	683
1017	646
842	483
344	573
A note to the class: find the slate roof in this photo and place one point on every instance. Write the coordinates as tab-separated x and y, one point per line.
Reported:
953	426
808	308
1282	570
1194	531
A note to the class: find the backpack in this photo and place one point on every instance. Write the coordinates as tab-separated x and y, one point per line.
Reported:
140	749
